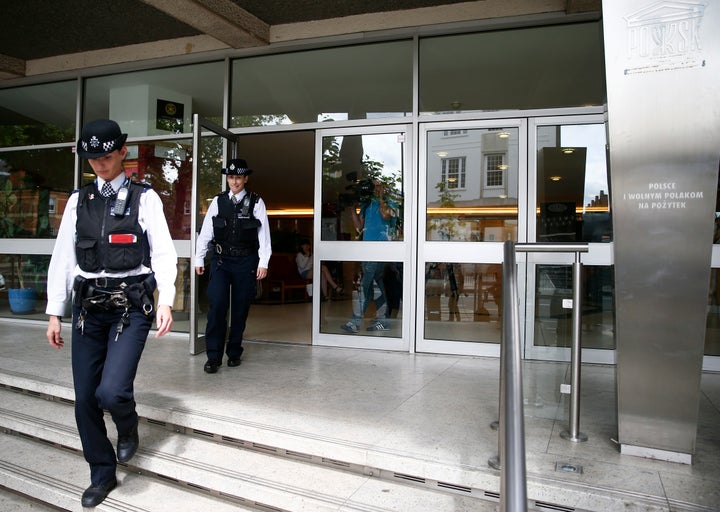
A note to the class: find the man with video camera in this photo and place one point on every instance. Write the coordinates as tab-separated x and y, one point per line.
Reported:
375	221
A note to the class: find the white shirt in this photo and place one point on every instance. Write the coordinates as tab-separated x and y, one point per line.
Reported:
206	232
63	264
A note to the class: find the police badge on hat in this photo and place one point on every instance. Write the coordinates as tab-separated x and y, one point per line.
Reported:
100	137
237	167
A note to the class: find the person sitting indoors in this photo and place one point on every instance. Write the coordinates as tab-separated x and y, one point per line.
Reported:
304	261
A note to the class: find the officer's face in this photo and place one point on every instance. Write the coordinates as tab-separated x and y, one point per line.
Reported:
109	167
237	183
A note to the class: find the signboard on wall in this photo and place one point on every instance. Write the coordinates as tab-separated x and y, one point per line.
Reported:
170	116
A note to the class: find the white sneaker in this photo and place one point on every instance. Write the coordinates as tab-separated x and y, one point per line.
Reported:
349	326
378	326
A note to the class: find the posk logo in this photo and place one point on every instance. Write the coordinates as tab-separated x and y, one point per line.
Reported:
665	35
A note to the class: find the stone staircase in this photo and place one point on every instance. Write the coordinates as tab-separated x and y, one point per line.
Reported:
192	460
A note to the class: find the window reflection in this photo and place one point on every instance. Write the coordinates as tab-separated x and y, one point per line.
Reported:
329	84
573	204
34	187
553	323
463	302
362	190
38	114
524	68
472	178
370	302
712	329
157	101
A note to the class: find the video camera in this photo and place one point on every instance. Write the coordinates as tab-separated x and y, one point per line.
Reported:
361	191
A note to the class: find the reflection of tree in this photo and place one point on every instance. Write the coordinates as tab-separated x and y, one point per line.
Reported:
32	134
258	120
446	227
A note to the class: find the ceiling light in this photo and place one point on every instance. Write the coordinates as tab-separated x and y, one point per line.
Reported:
555	178
441	154
504	135
568	151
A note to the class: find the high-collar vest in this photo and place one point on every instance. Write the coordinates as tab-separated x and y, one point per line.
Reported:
235	225
104	241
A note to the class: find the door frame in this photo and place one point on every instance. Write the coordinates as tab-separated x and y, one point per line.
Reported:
197	340
399	251
463	252
599	254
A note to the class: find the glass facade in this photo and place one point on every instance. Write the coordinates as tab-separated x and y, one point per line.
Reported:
525	68
362	187
157	101
371	300
472	185
333	84
472	175
573	201
38	114
463	302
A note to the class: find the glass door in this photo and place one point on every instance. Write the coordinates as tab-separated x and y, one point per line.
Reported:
570	193
361	245
209	139
472	197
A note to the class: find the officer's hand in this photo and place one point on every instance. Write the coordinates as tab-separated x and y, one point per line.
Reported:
199	270
53	332
163	320
261	273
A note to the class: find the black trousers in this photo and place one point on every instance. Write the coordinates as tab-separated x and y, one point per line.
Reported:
103	374
233	280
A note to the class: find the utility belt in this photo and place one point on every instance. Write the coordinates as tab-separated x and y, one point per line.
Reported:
226	250
110	293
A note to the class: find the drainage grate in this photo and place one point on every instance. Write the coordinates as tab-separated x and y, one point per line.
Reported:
551	506
455	487
411	478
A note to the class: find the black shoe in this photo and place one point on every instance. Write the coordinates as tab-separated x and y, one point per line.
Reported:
128	445
233	361
95	494
212	366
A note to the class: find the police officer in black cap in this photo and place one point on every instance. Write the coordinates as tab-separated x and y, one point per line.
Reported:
236	233
112	231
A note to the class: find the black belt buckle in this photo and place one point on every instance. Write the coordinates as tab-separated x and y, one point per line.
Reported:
101	282
218	248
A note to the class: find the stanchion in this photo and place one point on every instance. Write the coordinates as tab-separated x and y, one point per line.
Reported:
573	433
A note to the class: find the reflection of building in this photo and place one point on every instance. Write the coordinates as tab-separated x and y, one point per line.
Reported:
472	184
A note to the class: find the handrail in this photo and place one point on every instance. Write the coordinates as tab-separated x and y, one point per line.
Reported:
513	482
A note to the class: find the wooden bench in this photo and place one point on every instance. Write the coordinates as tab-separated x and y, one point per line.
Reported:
283	277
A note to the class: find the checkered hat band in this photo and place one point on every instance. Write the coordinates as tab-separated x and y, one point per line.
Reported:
95	143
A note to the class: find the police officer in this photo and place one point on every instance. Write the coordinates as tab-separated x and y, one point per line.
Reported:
237	234
111	231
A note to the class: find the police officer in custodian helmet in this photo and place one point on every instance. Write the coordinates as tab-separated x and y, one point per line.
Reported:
113	234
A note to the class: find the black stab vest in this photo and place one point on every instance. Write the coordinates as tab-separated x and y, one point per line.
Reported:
110	242
235	225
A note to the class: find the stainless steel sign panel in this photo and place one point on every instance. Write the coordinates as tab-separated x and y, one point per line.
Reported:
663	78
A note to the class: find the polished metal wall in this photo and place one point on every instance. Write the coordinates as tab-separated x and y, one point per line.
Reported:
663	78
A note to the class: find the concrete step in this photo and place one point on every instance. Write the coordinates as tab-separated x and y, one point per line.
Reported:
256	475
56	476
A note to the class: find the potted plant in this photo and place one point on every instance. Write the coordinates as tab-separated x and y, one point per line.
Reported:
27	271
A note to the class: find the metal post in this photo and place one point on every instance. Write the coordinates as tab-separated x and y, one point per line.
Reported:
574	434
513	483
